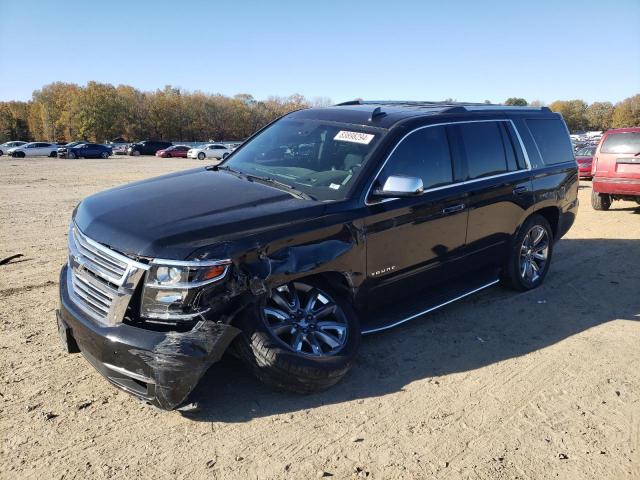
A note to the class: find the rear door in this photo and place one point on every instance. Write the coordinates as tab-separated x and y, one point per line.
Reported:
498	184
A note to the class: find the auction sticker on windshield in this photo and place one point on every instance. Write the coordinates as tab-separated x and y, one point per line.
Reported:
355	137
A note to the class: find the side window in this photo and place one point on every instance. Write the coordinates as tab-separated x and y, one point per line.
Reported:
484	146
552	139
425	154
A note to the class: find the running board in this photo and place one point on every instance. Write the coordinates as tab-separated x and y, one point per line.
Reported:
445	294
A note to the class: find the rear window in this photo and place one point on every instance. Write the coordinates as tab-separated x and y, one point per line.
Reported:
488	149
552	139
628	142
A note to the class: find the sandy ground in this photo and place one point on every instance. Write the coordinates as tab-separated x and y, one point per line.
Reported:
537	385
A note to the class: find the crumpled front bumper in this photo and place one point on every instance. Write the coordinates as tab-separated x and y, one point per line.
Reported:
161	368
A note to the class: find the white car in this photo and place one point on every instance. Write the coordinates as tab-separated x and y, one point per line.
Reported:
213	150
34	149
4	148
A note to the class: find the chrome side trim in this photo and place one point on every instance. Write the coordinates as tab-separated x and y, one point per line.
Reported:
465	182
431	309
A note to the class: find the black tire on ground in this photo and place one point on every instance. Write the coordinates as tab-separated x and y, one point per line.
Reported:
167	155
279	366
53	154
513	275
1	153
135	153
600	201
71	155
225	155
21	155
201	156
104	155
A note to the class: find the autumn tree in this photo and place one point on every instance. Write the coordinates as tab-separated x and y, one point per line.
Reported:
627	113
599	115
574	113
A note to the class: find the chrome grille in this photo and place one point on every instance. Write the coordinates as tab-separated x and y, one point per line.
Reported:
100	280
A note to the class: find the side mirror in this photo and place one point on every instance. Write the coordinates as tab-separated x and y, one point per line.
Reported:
400	186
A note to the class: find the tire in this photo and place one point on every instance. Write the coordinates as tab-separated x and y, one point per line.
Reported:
135	153
529	257
53	155
21	155
273	360
224	156
71	155
600	201
1	153
167	155
201	156
104	155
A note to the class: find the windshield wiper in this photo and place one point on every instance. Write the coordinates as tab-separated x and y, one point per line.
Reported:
281	185
267	180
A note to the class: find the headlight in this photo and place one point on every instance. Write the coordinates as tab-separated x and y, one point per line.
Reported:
172	290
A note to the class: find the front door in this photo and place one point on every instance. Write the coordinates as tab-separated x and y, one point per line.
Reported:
410	239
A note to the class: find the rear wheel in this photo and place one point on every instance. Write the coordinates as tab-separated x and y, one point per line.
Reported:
303	338
53	154
201	156
1	153
600	201
530	254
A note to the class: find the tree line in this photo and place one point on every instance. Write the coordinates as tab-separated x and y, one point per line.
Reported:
579	115
100	112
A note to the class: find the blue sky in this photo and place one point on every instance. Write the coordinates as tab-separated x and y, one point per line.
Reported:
410	50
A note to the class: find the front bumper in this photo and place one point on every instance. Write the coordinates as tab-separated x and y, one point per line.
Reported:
161	368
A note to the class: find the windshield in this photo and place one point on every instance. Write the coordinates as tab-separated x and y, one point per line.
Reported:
585	152
319	158
628	142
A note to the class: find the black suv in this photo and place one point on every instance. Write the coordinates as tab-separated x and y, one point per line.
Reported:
327	224
147	147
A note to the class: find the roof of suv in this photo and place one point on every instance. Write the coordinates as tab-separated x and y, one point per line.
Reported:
387	113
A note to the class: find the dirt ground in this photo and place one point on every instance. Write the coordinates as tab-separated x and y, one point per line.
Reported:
502	385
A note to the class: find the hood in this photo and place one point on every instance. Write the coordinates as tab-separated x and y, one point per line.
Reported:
173	215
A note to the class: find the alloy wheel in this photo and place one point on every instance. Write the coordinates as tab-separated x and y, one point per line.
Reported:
534	253
306	320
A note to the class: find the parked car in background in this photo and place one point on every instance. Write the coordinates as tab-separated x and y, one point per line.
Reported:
62	151
173	151
616	168
584	157
328	224
6	146
34	149
214	150
89	150
120	149
147	147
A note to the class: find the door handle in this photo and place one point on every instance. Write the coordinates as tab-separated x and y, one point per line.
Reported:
520	189
453	208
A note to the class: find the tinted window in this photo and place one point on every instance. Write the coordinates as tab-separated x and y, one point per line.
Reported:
423	154
552	139
622	143
484	146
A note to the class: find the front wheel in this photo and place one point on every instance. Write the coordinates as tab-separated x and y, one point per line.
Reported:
600	201
71	155
530	254
201	156
224	156
135	153
104	155
302	338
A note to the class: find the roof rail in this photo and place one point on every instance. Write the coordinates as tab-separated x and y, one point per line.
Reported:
454	106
